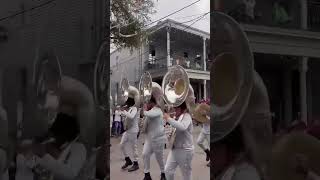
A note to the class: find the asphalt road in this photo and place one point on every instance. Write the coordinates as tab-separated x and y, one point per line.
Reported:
199	172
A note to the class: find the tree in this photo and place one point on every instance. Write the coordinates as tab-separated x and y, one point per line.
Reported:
128	22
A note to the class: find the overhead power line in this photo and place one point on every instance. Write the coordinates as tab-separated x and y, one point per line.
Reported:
195	20
27	10
160	18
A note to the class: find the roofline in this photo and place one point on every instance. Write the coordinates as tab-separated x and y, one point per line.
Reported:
177	25
181	26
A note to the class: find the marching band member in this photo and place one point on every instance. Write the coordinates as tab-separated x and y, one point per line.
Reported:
3	144
130	136
155	134
182	150
205	132
65	157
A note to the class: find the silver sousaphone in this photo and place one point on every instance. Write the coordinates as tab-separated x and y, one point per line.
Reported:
175	87
101	78
47	77
145	88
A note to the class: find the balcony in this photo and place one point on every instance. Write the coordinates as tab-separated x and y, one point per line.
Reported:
160	64
284	14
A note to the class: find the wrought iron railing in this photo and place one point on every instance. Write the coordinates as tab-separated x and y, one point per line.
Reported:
157	64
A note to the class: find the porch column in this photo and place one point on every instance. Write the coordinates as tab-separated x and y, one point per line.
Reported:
303	89
204	54
287	87
304	66
199	91
168	47
304	13
205	89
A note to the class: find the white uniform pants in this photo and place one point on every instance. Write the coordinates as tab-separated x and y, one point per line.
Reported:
181	158
201	141
129	143
149	148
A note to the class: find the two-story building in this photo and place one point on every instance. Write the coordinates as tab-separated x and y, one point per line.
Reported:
285	39
74	29
169	43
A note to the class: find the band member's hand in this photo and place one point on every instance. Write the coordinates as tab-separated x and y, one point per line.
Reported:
145	107
39	150
166	117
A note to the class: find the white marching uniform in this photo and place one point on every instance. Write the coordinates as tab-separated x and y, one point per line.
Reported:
155	138
67	167
204	135
129	138
182	150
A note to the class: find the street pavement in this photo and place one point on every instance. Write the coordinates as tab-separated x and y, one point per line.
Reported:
199	169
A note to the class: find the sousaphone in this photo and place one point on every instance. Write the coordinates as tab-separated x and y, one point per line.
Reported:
201	113
47	78
176	90
238	94
127	91
145	89
239	97
101	78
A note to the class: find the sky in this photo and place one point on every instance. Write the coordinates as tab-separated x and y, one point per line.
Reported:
165	7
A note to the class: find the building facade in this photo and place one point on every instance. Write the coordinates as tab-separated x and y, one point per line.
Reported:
170	43
74	29
285	39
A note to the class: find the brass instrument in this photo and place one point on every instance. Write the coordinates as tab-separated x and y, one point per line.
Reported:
47	78
127	91
101	79
238	94
145	88
176	90
201	112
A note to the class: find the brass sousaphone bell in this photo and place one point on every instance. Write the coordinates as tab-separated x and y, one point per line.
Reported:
175	86
201	112
101	80
238	94
176	90
127	91
47	77
145	89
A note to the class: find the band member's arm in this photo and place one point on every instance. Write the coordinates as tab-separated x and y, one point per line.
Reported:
132	114
181	126
69	169
152	113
